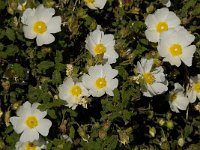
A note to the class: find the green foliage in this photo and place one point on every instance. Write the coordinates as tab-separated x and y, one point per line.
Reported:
123	121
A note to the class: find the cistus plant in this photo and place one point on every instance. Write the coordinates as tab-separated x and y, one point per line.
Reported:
99	74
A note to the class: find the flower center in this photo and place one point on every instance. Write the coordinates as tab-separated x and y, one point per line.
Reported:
76	90
30	146
31	121
90	1
175	50
99	49
101	83
149	78
196	87
161	26
39	27
172	97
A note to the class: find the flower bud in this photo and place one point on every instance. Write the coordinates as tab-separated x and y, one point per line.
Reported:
102	133
181	141
10	10
170	124
16	105
124	137
62	126
152	131
5	85
7	118
150	9
161	122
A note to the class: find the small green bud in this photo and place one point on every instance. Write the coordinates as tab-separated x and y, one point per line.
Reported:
170	124
124	137
150	9
181	141
152	131
16	105
10	10
161	122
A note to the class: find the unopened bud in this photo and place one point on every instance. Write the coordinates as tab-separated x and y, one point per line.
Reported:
16	105
124	137
106	125
150	9
161	122
181	142
5	85
10	10
62	126
7	118
102	134
170	124
152	131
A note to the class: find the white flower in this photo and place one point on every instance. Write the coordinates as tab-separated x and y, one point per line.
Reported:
35	145
177	99
159	22
101	80
39	24
154	78
167	3
94	4
30	122
175	46
99	43
72	93
193	90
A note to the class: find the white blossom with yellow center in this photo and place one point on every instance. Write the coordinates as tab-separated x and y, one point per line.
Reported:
95	4
175	46
39	23
72	92
35	145
193	89
154	82
30	122
159	22
177	99
100	80
99	43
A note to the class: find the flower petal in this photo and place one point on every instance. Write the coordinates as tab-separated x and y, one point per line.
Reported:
44	126
29	135
28	32
54	25
45	38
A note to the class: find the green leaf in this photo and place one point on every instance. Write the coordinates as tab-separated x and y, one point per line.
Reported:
188	130
52	113
12	50
44	65
10	34
2	4
56	77
122	72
